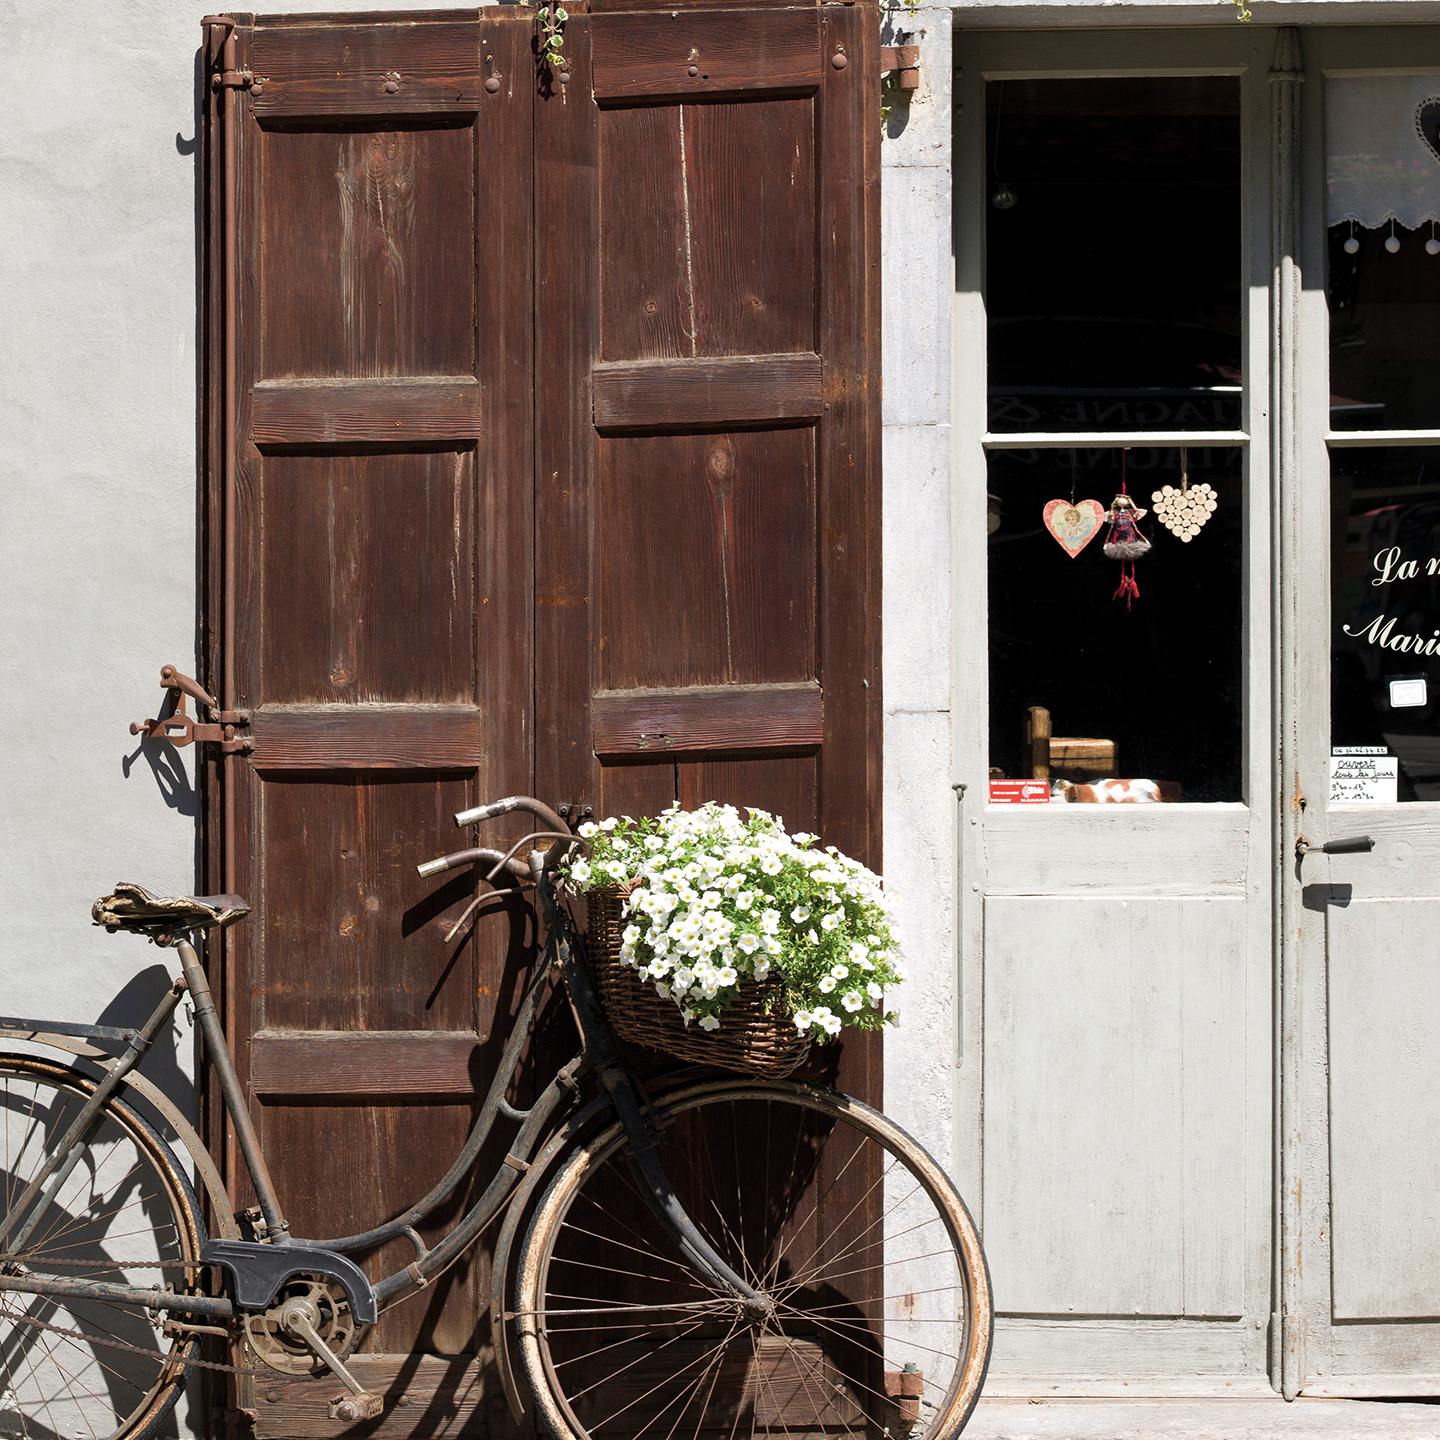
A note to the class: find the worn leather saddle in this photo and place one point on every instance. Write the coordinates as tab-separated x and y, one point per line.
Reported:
165	920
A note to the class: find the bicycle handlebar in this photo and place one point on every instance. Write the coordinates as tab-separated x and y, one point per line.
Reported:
548	819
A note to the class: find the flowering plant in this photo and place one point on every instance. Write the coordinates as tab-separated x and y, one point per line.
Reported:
717	900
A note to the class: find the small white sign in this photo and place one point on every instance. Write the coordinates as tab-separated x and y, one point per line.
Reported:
1408	694
1363	774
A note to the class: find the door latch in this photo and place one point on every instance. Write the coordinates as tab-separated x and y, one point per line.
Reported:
224	728
1346	845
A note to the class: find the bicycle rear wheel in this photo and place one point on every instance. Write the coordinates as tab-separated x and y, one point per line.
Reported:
880	1316
83	1369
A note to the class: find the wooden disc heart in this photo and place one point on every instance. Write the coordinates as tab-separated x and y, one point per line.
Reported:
1183	512
1074	523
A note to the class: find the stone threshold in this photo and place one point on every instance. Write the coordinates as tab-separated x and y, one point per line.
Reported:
1265	1419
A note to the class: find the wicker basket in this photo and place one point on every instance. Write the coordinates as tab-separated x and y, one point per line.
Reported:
748	1039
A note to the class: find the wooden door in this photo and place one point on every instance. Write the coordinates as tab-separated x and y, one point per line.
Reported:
373	587
674	494
707	563
1361	1258
1116	960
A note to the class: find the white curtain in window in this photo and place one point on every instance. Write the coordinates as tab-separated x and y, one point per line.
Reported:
1383	149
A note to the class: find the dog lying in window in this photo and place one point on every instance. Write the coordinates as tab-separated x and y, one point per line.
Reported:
1109	792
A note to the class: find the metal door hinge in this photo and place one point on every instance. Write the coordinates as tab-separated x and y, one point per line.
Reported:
904	62
226	728
232	80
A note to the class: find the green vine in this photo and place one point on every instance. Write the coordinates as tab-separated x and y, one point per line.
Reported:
551	42
1242	12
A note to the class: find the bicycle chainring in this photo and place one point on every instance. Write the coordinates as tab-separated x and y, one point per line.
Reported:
328	1311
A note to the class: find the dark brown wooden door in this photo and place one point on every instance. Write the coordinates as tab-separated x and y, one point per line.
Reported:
376	600
544	457
707	619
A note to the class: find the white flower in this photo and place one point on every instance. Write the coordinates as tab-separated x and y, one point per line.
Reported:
687	1014
827	983
654	842
771	865
580	871
726	975
852	1000
773	946
832	920
799	914
859	953
616	869
761	969
812	937
748	943
662	990
609	823
874	991
711	899
840	972
588	830
769	921
802	1020
709	1022
745	899
831	1024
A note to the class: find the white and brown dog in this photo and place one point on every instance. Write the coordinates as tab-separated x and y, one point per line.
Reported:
1108	792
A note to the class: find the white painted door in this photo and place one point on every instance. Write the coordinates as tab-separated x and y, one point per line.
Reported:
1113	199
1361	1203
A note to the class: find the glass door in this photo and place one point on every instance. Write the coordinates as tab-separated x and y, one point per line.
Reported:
1365	702
1114	546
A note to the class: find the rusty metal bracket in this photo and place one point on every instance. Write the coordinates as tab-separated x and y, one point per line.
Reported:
232	80
903	61
181	728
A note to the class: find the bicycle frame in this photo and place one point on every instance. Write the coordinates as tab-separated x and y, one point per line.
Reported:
258	1268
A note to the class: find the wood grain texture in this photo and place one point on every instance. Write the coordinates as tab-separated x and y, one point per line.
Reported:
656	395
367	266
706	558
368	737
375	616
391	412
311	71
732	718
415	1387
749	51
390	1064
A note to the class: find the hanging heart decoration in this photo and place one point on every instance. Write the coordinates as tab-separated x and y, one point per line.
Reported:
1427	123
1184	512
1074	523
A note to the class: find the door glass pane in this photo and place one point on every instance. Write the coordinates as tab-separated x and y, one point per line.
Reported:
1112	254
1143	687
1383	209
1385	657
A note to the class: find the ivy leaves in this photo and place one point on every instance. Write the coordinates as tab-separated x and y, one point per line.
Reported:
550	43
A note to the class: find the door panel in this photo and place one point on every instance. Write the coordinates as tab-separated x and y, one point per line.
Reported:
1115	1091
378	601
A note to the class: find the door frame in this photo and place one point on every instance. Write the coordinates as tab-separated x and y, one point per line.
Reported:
1309	1351
1252	52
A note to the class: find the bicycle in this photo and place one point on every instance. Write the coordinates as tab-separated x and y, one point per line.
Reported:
700	1251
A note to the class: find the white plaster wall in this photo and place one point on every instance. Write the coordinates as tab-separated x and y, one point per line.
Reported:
919	819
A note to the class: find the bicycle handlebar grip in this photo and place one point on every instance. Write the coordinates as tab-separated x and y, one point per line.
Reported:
483	812
433	867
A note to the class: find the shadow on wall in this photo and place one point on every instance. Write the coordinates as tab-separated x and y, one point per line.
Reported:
132	1006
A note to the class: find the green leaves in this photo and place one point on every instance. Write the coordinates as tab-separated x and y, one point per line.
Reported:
550	42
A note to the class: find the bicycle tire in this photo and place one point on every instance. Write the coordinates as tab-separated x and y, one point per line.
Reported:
646	1306
116	1374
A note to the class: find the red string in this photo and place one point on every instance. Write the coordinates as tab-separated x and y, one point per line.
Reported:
1128	589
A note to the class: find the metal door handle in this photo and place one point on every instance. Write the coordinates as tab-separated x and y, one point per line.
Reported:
1347	845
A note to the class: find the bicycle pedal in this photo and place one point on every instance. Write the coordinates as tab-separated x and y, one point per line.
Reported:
349	1409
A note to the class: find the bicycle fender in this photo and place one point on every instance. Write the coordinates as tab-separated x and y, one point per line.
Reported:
258	1271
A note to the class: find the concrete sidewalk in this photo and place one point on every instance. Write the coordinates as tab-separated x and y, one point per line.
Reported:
1004	1419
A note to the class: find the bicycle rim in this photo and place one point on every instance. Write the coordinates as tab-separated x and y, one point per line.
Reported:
880	1320
84	1369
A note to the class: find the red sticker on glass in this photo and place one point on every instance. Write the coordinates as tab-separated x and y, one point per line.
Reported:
1019	792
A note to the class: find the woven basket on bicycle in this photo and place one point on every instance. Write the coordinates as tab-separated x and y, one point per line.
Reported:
749	1039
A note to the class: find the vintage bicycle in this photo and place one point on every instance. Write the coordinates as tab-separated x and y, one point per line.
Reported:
693	1251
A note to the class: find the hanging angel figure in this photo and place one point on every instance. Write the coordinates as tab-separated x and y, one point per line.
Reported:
1125	542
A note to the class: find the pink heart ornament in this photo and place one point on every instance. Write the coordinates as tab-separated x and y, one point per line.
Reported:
1074	524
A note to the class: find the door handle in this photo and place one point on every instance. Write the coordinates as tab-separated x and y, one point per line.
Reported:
1346	845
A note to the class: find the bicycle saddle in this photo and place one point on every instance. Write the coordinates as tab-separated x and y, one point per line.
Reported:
133	907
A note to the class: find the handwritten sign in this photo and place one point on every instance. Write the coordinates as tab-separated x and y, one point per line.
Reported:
1363	774
1019	792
